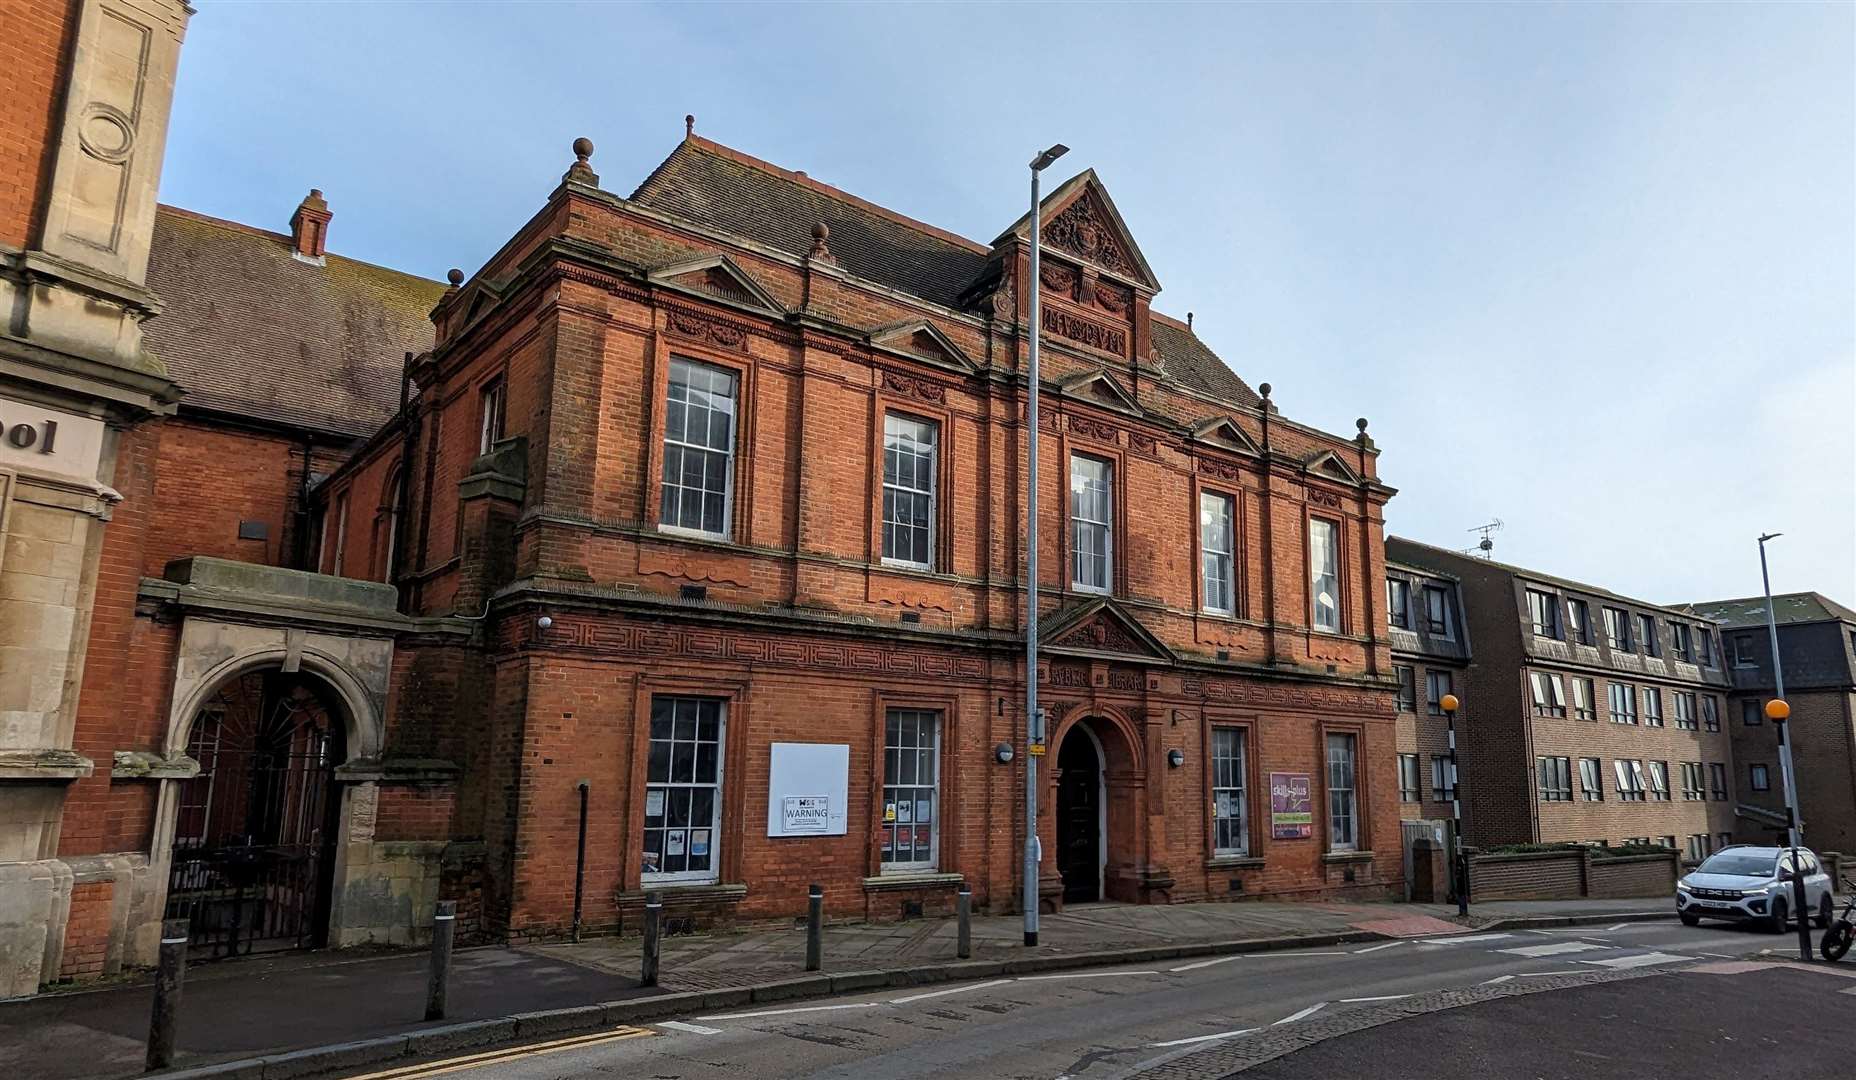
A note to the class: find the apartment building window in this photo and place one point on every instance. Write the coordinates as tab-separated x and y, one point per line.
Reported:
699	449
1579	620
1724	840
911	789
1410	782
1630	779
1592	779
1704	646
1667	841
909	447
1646	629
1398	603
1692	790
1215	550
1697	847
1659	780
1652	707
1549	694
1685	710
1711	712
1617	629
1436	685
1584	699
1751	714
1544	608
1636	841
683	789
1717	778
1555	779
1343	818
1407	688
1230	819
1443	778
1091	517
489	415
1758	778
1623	703
1437	611
1324	574
1742	648
1681	641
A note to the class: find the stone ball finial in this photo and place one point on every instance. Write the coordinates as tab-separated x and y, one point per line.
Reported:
315	193
583	148
821	231
455	277
1361	424
1264	389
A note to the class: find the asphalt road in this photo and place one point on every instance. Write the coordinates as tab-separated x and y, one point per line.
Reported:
1105	1024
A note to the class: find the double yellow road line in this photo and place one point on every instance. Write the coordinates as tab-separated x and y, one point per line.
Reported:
508	1054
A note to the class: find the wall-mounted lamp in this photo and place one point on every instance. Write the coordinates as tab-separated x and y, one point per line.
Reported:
544	622
1004	753
1176	757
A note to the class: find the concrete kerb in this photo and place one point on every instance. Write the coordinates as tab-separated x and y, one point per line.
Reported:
521	1027
1542	922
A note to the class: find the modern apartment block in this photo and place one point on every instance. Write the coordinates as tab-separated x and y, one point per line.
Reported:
1817	647
1597	718
1430	657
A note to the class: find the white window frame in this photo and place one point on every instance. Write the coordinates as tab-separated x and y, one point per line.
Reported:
1592	780
1078	523
1410	779
1398	604
1543	610
682	444
1652	700
1618	630
1320	570
1584	698
1646	629
1627	694
887	862
490	414
1681	641
1407	677
1687	710
1631	787
1434	702
1549	693
1578	620
1344	796
1210	557
1444	626
1443	778
1694	782
1658	775
669	787
1554	774
1233	787
892	423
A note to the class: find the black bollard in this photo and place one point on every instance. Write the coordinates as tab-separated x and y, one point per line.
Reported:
164	1024
444	925
963	909
815	925
653	937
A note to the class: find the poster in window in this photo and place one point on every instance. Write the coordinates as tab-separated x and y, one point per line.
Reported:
905	811
1292	806
699	843
673	842
1224	804
924	810
654	803
889	813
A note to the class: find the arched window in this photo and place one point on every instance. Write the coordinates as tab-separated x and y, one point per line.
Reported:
395	496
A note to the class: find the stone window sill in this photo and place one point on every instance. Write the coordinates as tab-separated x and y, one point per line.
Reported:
1347	857
1234	862
899	882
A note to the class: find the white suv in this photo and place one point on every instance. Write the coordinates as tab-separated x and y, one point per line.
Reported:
1746	882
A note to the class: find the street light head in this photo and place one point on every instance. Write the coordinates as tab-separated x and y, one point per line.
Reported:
1042	161
1449	703
1778	709
1770	536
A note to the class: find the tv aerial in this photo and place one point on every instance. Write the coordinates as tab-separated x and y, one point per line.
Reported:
1485	547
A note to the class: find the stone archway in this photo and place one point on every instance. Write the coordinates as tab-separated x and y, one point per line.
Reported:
1102	807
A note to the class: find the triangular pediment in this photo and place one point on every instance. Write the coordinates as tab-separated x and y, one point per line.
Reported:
1222	431
1080	220
920	340
717	277
1328	464
1100	388
1103	626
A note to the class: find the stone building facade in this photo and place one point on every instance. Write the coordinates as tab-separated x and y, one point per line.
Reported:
1430	658
1817	648
1597	718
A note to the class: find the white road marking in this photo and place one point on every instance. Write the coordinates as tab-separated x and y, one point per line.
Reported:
1623	963
1465	940
1206	1038
1376	948
1721	955
801	1009
1544	974
1548	933
1498	979
944	993
1619	926
694	1029
1292	955
1303	1015
1555	948
1382	997
1084	975
1207	963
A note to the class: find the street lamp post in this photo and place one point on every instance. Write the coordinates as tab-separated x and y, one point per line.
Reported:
1779	711
1034	720
1459	863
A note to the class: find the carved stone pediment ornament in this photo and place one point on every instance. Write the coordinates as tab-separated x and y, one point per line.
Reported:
694	326
920	389
1083	231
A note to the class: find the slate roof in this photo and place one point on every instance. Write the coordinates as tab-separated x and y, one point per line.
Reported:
248	329
726	190
1799	607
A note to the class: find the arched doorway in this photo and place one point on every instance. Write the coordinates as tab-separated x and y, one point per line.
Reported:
1082	843
252	860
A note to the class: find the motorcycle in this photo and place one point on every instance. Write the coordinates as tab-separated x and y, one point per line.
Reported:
1843	928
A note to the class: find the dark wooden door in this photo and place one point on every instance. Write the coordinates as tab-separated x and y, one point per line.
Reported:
1079	819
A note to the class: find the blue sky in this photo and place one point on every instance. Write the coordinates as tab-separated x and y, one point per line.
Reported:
1588	269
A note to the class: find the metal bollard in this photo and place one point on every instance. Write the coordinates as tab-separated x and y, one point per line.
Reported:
164	1024
815	925
963	909
653	937
444	928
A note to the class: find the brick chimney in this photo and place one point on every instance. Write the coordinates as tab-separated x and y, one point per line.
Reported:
309	227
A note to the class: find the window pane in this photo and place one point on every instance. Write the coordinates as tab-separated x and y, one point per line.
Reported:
908	489
698	447
1324	575
1091	520
682	793
1215	547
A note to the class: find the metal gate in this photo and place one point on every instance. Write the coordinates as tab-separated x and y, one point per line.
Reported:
1410	832
254	838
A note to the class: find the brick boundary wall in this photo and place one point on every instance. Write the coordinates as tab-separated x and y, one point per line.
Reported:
1564	875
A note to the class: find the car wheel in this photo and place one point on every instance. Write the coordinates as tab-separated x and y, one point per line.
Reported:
1823	913
1688	919
1776	921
